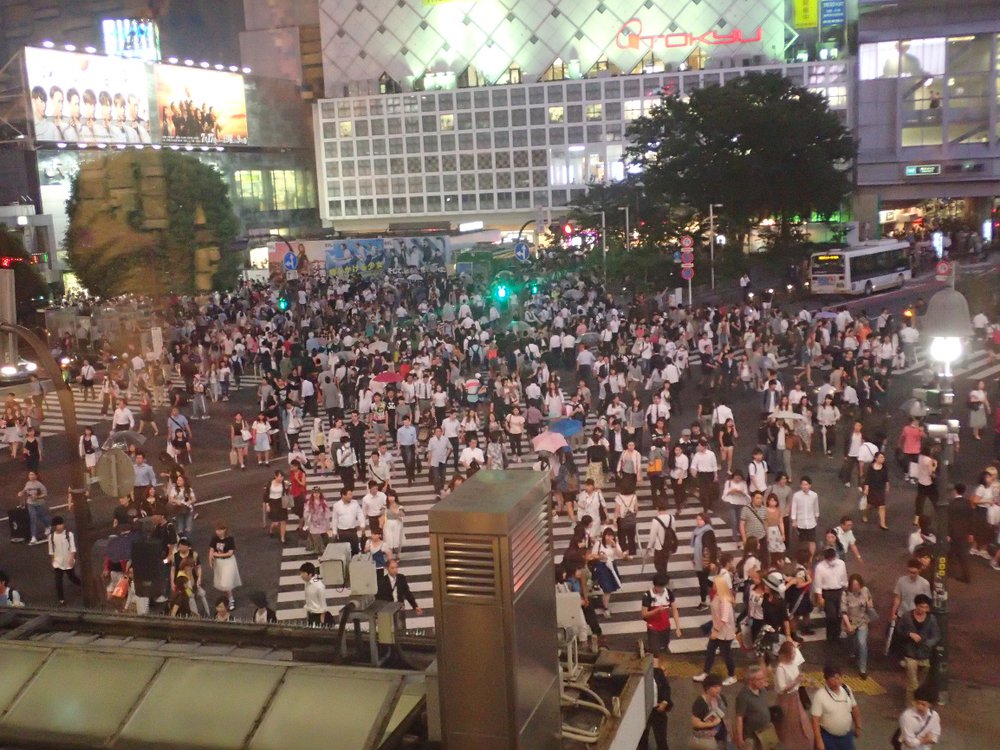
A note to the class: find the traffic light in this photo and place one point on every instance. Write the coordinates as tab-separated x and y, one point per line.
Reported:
567	229
8	262
534	287
283	303
501	292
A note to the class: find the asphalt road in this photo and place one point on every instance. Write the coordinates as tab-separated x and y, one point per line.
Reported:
235	497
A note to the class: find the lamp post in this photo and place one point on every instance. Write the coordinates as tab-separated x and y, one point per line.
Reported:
947	324
711	235
604	247
628	234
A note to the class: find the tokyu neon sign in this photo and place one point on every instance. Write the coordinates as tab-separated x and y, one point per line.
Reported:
630	36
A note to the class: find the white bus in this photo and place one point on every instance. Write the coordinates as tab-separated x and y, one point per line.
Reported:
860	269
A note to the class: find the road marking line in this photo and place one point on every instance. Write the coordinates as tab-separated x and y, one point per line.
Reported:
210	473
213	500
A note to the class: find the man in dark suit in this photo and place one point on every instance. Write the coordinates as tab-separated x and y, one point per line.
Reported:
393	587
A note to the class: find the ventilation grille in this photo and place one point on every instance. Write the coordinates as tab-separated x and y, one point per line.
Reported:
470	569
530	544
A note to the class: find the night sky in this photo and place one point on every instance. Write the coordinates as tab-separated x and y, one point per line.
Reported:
202	30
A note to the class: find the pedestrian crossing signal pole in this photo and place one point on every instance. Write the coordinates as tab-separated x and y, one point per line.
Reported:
78	492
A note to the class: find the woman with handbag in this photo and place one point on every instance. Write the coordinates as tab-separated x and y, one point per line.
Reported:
317	521
222	560
858	612
708	717
979	407
239	438
795	726
277	502
605	554
261	430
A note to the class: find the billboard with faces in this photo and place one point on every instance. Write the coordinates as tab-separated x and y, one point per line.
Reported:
88	98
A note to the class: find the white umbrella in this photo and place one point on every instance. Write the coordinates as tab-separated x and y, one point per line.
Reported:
785	415
379	346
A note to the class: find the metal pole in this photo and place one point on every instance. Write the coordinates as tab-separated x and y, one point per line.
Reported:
604	247
628	233
711	239
939	594
690	295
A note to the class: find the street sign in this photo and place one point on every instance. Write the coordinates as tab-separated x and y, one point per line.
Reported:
687	265
687	274
687	241
291	261
942	270
677	256
522	251
922	170
115	473
687	257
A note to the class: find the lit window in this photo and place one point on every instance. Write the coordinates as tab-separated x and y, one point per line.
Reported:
557	114
346	128
446	122
633	109
594	111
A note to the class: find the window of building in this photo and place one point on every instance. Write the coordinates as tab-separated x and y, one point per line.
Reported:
367	207
446	122
633	109
346	128
396	165
350	188
501	138
429	123
537	116
411	104
471	78
557	114
413	164
375	106
395	125
517	97
347	148
361	128
413	144
378	127
336	208
465	121
416	205
449	182
350	208
348	169
430	143
500	118
399	206
329	130
467	182
382	206
485	180
595	111
602	67
486	201
481	99
381	166
518	118
503	160
503	200
363	148
393	105
574	92
483	139
250	188
388	85
574	113
398	185
366	187
538	136
465	141
557	135
557	71
433	203
519	138
412	124
447	143
503	180
433	183
395	145
415	184
330	150
483	120
332	169
364	168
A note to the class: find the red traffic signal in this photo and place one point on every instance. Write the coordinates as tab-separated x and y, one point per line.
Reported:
567	229
8	262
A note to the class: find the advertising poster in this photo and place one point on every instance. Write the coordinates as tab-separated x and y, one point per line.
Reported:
806	14
201	106
414	252
88	99
349	256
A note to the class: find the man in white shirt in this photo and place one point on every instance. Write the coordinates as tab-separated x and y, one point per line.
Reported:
920	725
373	504
659	540
315	593
678	476
62	553
705	468
757	472
450	427
472	453
438	450
834	712
908	337
348	520
829	583
804	514
722	414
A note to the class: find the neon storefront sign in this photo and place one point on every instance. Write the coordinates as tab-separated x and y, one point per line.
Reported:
630	36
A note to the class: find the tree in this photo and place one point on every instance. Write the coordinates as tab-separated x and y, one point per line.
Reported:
150	222
759	145
29	286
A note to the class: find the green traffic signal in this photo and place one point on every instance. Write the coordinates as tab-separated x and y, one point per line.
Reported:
283	303
501	292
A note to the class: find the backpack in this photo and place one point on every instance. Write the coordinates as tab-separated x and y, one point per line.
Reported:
670	540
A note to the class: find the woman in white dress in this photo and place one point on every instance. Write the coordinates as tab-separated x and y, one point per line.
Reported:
979	408
222	560
393	533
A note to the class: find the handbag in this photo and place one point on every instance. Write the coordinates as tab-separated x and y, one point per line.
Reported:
286	501
872	614
767	738
233	458
993	515
863	502
246	436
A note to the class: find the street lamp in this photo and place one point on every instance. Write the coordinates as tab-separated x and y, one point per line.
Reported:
604	247
947	323
627	231
711	234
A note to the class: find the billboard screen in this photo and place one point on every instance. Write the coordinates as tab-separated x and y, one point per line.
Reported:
132	37
88	98
201	106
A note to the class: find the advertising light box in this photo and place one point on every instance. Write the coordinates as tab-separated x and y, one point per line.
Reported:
88	98
201	106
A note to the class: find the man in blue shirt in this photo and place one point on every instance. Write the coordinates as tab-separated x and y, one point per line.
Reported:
145	477
406	439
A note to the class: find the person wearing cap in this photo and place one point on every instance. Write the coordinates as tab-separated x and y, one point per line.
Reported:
829	583
918	629
657	721
835	717
708	717
775	619
920	725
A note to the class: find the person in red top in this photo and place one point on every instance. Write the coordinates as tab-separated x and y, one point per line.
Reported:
910	440
297	480
657	605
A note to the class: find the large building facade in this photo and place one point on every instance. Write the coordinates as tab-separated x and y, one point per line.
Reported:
928	114
497	110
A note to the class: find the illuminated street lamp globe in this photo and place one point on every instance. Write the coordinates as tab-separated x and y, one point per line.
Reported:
946	324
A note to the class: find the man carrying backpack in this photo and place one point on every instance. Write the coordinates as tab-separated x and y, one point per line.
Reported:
661	539
62	551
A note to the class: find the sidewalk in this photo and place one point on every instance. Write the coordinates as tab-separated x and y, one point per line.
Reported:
969	722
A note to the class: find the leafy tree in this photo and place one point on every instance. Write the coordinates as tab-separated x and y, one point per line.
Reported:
150	222
759	145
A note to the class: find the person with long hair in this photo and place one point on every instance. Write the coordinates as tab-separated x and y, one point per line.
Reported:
222	560
794	727
723	632
317	520
856	608
875	489
275	512
606	553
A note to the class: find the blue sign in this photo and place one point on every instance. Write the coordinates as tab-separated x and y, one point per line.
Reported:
291	261
677	256
522	251
833	13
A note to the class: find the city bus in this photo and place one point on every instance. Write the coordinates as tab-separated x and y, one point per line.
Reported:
860	269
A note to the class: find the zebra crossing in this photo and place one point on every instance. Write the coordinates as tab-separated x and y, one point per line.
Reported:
88	412
975	365
415	561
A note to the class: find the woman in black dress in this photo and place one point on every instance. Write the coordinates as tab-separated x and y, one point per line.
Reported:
876	488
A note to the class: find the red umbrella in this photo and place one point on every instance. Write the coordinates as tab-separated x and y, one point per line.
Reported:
389	377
